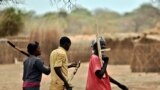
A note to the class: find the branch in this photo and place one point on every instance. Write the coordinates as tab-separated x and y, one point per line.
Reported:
68	3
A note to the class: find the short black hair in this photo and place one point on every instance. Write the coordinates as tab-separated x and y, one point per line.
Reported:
64	40
31	48
101	43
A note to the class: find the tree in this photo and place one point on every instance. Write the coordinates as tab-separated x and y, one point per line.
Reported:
10	1
156	1
62	13
145	16
11	23
81	11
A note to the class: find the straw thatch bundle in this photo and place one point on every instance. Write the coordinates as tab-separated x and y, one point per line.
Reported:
48	40
9	54
80	50
121	50
146	58
6	53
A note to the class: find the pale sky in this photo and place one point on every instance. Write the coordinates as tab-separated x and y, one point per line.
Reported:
120	6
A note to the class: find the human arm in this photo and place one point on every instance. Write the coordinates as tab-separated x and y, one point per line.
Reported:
60	61
41	67
60	75
100	73
74	64
123	87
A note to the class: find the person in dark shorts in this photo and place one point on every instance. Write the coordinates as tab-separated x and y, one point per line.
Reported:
33	67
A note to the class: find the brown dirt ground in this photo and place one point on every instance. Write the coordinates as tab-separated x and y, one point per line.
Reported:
11	74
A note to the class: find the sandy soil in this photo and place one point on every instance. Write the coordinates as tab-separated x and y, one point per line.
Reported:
11	74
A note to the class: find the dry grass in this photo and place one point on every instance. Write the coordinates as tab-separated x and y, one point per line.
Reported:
8	53
11	75
146	58
122	47
121	50
5	52
80	48
48	40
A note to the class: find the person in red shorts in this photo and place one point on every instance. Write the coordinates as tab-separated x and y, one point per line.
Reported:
98	78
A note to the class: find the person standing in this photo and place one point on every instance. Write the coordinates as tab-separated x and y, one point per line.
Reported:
98	78
33	67
59	66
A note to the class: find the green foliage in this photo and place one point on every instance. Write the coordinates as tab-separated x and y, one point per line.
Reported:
147	9
82	21
107	14
81	11
144	17
62	13
11	22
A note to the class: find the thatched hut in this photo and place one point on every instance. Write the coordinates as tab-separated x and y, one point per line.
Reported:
10	55
146	55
